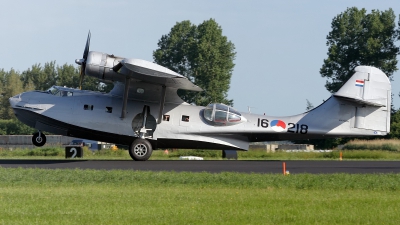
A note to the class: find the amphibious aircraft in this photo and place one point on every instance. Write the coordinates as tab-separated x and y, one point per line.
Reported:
144	111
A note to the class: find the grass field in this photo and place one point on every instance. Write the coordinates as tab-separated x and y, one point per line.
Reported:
38	196
59	153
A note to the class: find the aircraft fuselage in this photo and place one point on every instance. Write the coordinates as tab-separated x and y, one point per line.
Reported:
96	116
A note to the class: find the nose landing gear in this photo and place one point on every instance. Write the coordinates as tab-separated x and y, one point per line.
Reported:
38	139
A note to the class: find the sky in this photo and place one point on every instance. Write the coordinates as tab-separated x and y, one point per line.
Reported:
280	45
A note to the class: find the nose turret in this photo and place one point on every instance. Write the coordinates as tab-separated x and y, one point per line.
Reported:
15	100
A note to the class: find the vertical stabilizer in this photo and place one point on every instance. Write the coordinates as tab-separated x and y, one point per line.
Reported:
370	88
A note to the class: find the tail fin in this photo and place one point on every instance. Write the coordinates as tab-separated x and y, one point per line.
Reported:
371	89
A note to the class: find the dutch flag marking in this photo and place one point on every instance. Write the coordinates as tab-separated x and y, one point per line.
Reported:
359	83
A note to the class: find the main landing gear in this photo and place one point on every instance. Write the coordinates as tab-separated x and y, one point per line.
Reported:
143	125
140	149
38	139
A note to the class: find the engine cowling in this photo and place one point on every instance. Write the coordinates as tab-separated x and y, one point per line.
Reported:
99	65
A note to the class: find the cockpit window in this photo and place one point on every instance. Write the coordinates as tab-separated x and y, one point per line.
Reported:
66	93
221	107
222	115
208	114
233	118
53	90
232	110
57	92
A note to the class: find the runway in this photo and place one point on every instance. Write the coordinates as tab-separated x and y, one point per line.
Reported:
295	167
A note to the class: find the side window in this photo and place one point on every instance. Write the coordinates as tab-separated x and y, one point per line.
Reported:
88	107
185	118
108	109
165	117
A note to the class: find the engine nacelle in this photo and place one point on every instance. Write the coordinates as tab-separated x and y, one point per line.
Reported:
99	65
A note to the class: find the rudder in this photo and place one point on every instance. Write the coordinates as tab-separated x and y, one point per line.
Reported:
370	88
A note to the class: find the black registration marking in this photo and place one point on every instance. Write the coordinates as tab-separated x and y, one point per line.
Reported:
292	127
262	122
297	128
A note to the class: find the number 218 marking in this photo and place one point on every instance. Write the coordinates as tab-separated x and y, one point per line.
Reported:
297	128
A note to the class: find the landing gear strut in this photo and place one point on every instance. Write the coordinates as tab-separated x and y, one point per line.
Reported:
140	150
38	139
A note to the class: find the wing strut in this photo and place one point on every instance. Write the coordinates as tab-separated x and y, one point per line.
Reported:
145	113
125	98
160	114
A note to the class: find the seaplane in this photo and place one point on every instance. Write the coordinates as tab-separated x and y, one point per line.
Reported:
144	111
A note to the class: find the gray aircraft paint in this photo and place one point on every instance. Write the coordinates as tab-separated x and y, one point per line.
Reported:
339	116
360	108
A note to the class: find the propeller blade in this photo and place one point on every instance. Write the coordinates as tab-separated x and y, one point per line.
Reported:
82	61
85	53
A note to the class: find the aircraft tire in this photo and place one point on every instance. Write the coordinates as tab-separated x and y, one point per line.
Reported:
37	140
140	150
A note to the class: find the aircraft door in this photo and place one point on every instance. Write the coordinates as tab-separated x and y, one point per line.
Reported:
144	124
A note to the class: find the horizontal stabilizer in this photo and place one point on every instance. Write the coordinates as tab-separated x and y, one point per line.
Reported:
368	86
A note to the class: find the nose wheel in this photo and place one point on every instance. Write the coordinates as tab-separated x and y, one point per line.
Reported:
38	139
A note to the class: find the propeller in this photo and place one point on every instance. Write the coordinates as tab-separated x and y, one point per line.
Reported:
82	61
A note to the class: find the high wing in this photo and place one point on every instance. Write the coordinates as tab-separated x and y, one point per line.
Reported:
149	72
112	68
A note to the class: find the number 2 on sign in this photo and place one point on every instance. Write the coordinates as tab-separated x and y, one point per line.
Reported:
74	152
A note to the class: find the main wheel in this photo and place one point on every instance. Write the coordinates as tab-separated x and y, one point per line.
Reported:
38	139
140	149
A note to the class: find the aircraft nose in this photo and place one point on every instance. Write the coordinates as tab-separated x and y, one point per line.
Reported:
15	100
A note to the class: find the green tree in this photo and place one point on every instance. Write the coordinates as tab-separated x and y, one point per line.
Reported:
41	77
203	55
11	85
67	75
309	105
358	38
14	127
395	125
